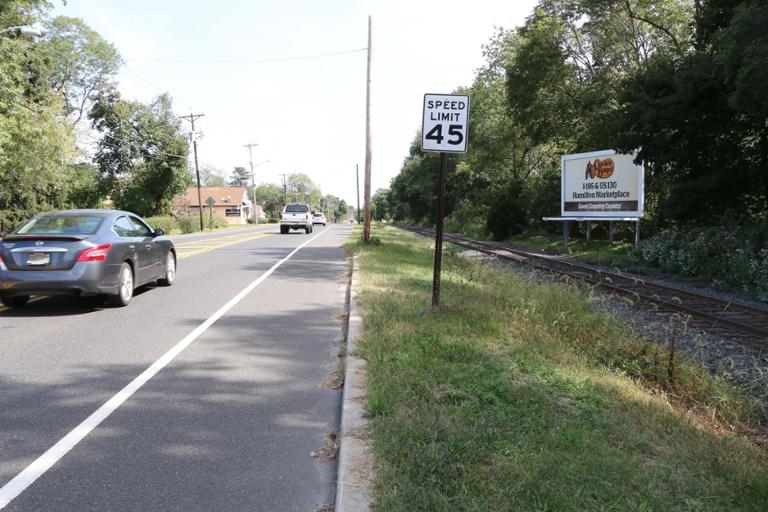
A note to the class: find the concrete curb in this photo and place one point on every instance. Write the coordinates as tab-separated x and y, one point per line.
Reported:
353	491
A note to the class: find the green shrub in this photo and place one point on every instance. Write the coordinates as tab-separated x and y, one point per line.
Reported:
729	255
216	222
189	224
166	223
760	269
468	218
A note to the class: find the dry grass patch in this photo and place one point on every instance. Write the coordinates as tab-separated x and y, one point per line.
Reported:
330	448
335	381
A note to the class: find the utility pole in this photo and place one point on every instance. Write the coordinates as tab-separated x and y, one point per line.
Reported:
285	190
357	179
367	188
250	147
191	118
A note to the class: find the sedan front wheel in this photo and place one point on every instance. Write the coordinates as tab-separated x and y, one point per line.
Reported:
124	287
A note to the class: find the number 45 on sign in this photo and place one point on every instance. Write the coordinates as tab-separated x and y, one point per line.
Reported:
444	125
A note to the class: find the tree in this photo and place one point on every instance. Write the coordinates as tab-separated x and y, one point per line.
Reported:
742	55
211	177
35	145
142	156
504	155
340	214
301	188
564	79
80	63
413	190
701	128
507	215
330	206
239	177
381	202
83	187
270	197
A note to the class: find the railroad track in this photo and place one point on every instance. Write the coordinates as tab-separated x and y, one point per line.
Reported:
748	322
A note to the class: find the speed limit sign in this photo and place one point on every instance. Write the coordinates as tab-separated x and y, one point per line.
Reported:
444	125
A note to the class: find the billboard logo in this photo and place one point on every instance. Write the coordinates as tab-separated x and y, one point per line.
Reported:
600	168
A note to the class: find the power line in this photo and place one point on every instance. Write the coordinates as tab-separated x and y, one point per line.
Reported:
138	79
250	61
150	86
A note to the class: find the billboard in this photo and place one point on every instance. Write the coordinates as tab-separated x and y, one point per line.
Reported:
601	184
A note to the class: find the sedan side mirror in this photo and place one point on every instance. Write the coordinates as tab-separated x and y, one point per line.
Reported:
159	232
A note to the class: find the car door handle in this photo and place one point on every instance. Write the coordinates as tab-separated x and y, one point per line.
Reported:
132	247
148	246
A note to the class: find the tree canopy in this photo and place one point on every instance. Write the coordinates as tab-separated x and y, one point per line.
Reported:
48	84
80	63
680	81
240	177
142	155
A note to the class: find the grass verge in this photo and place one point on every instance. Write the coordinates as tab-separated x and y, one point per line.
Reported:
518	395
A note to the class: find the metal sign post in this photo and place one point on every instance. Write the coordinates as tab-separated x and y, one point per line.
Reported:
439	229
444	130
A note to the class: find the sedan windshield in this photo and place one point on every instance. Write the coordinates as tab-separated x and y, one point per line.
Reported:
296	208
61	224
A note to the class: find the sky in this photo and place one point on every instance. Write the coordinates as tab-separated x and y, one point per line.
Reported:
290	75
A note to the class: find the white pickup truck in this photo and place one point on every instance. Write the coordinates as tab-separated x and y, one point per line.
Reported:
296	216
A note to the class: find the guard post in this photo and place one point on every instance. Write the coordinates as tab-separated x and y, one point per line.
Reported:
443	130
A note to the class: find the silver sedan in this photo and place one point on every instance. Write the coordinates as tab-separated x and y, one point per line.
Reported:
84	252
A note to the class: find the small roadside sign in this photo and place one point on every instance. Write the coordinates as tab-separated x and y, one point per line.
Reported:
210	202
444	130
444	124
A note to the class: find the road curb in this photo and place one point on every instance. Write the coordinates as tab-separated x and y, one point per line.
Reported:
353	491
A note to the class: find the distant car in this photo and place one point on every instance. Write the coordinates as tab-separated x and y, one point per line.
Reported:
84	252
296	216
318	218
352	221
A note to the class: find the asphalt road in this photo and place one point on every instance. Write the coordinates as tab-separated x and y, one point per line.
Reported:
228	424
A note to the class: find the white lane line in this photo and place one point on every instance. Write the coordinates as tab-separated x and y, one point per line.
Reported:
43	463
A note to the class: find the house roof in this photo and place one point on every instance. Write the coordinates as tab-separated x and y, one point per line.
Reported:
223	196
